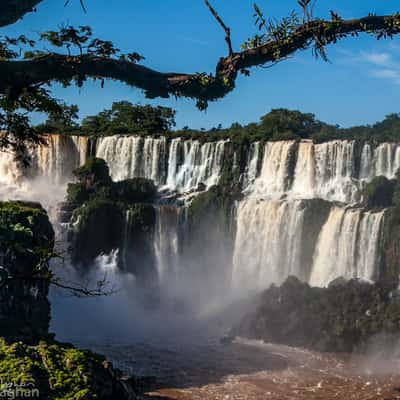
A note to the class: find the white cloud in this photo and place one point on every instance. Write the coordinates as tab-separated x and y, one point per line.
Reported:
380	59
387	73
381	65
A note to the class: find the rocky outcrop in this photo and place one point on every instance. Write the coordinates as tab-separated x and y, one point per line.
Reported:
53	370
107	215
26	241
341	317
379	193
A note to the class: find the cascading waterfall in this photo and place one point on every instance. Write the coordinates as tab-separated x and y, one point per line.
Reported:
274	178
191	163
348	246
181	165
166	241
50	169
269	243
56	160
278	179
134	156
251	171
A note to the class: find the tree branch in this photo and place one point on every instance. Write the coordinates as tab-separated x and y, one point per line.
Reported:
224	27
16	75
77	290
12	10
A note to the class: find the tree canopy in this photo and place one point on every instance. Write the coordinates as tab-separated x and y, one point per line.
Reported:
124	117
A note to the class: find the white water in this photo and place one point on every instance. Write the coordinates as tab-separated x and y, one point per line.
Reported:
181	165
268	243
348	246
191	163
333	170
269	240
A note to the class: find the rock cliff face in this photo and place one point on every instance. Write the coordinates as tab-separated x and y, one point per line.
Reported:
32	364
26	238
341	317
106	215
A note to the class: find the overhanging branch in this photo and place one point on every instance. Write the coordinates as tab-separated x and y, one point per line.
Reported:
12	10
16	75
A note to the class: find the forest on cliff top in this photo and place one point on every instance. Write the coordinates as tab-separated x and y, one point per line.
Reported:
279	124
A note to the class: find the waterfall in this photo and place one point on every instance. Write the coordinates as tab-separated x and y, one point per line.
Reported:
58	158
269	243
134	156
251	171
180	166
333	171
275	174
166	241
348	246
387	159
191	162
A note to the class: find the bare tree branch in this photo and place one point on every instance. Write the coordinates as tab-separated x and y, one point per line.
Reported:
224	27
78	290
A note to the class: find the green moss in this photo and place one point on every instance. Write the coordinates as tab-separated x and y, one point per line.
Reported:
342	317
77	193
378	193
136	190
26	243
97	228
58	371
94	170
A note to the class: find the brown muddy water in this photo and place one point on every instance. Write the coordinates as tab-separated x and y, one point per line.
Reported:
203	368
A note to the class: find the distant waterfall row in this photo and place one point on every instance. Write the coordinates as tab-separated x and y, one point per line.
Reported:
179	165
334	170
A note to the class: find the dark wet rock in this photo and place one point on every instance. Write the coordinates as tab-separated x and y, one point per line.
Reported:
27	239
342	317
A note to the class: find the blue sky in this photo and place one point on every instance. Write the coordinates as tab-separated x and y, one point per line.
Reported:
360	85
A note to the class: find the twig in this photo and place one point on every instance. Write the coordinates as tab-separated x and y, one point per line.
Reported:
224	27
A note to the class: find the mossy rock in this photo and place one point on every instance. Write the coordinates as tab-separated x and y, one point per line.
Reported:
94	171
26	240
97	228
55	371
378	193
138	254
135	190
338	318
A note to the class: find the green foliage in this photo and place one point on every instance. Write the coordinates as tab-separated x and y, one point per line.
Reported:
379	193
24	233
342	317
94	172
126	118
136	190
57	371
95	183
77	193
272	29
61	120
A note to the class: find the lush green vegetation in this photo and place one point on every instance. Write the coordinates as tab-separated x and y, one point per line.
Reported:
97	198
278	124
126	118
55	371
26	245
342	317
95	183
